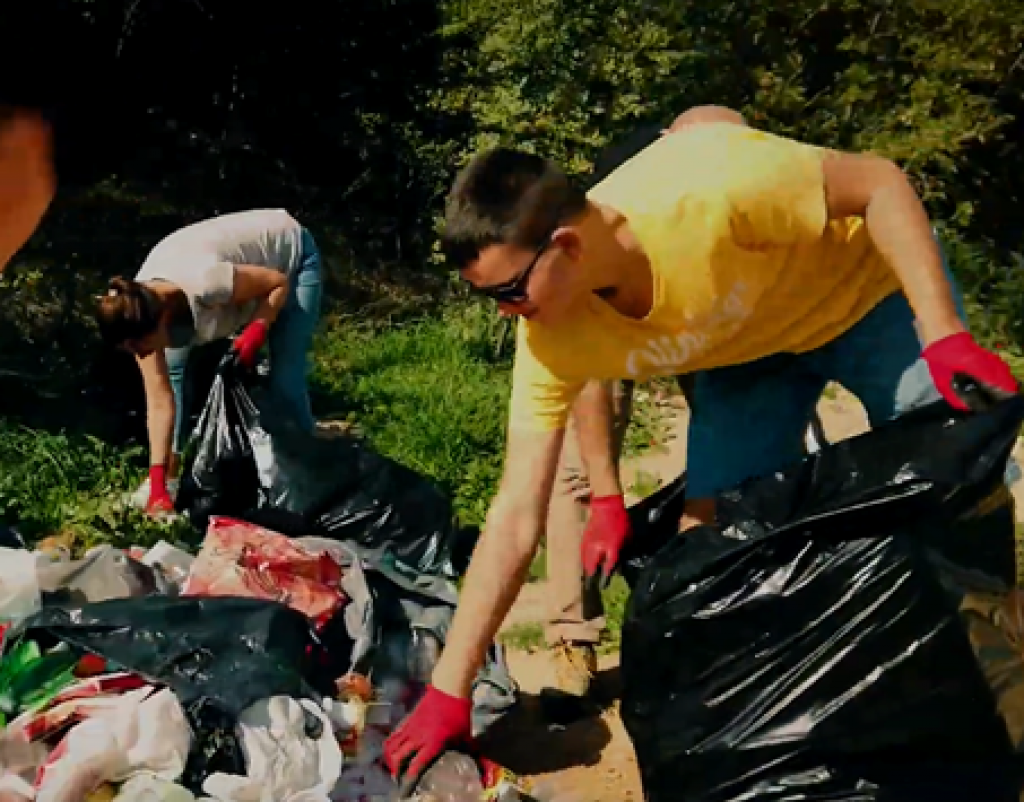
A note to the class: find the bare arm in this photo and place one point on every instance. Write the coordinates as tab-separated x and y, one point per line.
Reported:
159	406
502	558
27	181
594	419
877	190
261	283
862	185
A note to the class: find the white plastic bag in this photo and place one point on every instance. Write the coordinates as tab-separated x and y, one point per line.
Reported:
286	759
146	733
19	584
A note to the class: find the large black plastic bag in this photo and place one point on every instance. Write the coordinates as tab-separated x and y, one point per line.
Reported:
849	631
248	460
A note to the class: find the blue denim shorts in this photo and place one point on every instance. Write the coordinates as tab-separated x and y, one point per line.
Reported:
749	420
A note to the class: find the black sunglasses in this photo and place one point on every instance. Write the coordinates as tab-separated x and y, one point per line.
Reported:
513	291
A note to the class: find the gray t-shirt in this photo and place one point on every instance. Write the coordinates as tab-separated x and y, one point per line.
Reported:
201	259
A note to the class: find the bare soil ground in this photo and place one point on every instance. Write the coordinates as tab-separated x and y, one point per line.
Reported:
590	760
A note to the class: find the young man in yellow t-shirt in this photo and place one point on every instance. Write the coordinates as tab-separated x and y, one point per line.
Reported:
575	621
767	266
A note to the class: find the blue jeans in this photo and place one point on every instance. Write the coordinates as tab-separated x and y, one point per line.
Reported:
749	420
291	340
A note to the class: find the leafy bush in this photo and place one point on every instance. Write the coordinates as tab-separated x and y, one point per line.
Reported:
936	86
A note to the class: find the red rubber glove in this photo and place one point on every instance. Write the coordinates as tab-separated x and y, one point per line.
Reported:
438	723
606	531
248	344
957	361
159	497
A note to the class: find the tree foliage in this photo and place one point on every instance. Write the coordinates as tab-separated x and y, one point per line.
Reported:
355	115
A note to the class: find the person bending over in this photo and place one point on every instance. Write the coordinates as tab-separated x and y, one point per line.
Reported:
255	271
767	266
575	620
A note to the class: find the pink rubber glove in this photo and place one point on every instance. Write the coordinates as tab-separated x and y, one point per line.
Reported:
957	359
438	723
248	344
607	529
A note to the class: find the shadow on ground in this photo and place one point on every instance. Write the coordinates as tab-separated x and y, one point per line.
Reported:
546	733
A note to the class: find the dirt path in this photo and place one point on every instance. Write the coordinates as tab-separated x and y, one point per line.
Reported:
592	760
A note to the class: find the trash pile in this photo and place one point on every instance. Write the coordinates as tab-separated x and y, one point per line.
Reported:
851	629
265	667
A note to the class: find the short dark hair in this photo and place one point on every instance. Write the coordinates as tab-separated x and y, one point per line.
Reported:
506	197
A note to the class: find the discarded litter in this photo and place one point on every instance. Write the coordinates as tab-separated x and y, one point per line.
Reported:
272	672
248	460
268	666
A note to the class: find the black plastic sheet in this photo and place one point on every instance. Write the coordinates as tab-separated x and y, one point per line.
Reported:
219	655
850	630
225	652
248	460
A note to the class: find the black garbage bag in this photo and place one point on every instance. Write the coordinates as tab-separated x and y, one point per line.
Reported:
655	522
393	630
850	629
219	655
225	652
249	460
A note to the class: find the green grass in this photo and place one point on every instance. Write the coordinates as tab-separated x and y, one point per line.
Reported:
527	636
432	395
615	597
429	394
72	488
645	484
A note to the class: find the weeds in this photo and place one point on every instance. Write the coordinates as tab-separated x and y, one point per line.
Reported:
72	488
645	484
429	394
616	597
647	429
523	637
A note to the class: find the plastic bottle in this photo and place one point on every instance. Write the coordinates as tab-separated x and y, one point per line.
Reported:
454	777
424	652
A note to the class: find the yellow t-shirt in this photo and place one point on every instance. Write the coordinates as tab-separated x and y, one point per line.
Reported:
745	262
